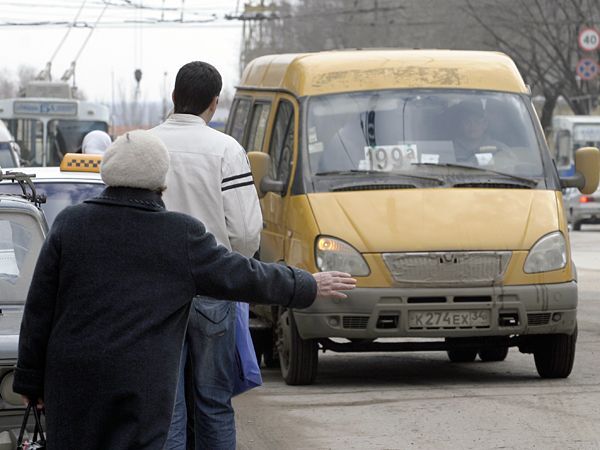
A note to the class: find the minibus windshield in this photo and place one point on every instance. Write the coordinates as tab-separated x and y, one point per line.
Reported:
422	132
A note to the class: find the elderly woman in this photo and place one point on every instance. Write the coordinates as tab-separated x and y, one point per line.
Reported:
107	308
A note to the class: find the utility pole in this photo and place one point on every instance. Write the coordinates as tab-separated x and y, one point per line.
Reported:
252	18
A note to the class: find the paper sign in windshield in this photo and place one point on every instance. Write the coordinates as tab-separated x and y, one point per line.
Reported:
387	158
8	263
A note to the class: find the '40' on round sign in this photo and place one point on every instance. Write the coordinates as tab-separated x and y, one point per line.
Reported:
589	39
587	69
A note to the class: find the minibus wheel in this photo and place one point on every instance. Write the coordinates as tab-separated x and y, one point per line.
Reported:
298	358
493	354
270	353
554	355
460	355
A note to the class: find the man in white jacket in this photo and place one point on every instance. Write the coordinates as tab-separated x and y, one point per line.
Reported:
209	179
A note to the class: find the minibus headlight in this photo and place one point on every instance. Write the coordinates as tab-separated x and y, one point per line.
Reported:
548	253
334	254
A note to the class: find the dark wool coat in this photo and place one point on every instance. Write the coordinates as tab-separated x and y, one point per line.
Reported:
107	309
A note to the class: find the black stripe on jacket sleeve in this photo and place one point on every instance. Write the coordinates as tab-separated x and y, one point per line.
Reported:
239	185
236	177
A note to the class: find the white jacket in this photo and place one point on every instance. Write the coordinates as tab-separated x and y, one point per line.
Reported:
209	178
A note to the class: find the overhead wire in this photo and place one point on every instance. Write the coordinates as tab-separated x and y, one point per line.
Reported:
68	31
186	10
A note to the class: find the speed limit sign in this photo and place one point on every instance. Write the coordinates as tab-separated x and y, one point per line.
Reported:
589	39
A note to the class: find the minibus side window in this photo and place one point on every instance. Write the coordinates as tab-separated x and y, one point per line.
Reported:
258	126
240	118
282	142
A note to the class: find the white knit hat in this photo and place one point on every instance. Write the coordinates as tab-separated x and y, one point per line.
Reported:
137	159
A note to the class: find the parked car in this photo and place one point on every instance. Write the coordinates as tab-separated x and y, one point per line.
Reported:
29	203
581	208
23	229
63	186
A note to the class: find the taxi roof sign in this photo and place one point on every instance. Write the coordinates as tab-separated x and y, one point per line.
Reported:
77	162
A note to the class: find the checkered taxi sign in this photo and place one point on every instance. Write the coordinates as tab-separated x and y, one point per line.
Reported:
76	162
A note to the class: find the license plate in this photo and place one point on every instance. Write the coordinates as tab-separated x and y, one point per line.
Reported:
449	319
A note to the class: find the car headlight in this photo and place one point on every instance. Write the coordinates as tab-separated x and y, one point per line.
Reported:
334	254
548	253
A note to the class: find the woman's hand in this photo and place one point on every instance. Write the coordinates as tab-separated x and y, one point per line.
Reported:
40	402
330	283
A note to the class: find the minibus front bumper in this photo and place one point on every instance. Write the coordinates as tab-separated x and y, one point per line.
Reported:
370	313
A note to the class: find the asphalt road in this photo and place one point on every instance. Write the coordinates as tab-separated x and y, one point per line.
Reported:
422	401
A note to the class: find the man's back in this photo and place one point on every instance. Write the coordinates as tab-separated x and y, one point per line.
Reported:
209	179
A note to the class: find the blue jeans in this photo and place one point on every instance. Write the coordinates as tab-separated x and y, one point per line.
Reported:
210	343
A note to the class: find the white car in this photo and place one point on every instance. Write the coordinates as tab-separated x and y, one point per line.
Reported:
581	208
24	222
22	232
61	188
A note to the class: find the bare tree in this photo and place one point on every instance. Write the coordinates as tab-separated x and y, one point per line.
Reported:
11	85
8	87
25	74
541	36
313	25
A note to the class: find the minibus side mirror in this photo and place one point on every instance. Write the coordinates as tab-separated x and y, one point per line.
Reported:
587	171
259	163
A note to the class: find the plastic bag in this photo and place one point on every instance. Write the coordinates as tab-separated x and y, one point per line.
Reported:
248	371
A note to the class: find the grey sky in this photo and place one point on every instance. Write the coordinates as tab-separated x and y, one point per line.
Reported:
118	46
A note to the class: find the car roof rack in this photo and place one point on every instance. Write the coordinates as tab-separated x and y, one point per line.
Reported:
24	181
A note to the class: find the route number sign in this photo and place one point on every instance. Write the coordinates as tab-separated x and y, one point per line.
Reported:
589	39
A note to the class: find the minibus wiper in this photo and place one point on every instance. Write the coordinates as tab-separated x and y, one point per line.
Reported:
379	172
527	181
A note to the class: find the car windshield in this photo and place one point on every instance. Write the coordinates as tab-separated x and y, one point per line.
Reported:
422	132
21	238
59	195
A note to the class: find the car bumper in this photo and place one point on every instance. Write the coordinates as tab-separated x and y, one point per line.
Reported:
370	313
590	214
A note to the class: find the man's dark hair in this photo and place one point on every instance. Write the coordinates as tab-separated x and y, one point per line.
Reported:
196	85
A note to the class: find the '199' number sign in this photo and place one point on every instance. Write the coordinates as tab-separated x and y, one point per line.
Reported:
390	157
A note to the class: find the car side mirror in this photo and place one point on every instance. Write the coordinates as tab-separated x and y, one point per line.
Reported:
587	171
259	164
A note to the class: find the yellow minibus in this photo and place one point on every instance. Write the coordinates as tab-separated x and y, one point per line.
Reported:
426	175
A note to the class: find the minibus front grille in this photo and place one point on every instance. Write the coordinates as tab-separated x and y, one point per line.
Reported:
355	322
372	187
447	268
534	319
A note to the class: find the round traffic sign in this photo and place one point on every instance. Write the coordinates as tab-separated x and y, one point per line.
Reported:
589	39
587	69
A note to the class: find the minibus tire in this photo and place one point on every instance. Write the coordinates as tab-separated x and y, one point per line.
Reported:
577	226
493	354
462	356
555	354
298	358
258	345
269	350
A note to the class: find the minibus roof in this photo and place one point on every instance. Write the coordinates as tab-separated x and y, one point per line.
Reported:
362	70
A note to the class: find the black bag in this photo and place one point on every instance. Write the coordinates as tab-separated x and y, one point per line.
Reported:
35	443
